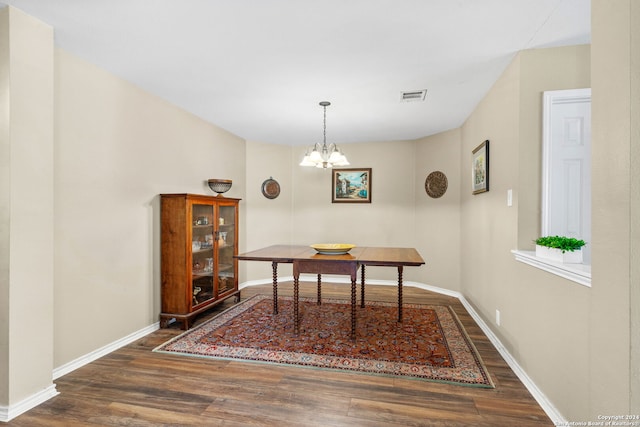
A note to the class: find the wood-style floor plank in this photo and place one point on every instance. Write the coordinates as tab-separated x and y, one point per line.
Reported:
134	386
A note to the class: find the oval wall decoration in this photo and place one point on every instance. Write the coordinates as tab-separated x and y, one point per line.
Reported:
436	184
270	188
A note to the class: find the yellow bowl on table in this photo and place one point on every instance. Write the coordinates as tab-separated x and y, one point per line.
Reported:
333	248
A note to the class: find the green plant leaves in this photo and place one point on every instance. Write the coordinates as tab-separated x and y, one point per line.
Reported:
560	242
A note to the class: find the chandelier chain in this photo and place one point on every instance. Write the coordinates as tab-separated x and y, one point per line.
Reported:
324	135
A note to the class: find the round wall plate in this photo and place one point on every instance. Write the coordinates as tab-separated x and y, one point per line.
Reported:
436	184
270	188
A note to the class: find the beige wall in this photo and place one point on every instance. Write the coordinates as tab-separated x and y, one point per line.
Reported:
634	192
614	317
540	70
269	221
437	225
26	207
117	148
544	319
5	206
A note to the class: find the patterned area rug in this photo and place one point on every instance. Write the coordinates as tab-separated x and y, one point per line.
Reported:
429	344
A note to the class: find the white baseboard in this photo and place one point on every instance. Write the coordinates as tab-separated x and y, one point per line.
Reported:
551	411
96	354
344	279
10	412
7	413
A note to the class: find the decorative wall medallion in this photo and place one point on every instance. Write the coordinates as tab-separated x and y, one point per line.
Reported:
270	188
436	184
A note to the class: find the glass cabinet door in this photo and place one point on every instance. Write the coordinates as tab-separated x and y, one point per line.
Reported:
226	243
202	257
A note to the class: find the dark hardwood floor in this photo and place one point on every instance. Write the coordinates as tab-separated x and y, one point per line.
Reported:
135	387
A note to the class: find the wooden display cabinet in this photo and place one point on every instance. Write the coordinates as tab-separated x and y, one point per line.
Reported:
199	239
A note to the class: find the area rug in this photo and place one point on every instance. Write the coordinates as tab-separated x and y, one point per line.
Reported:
430	343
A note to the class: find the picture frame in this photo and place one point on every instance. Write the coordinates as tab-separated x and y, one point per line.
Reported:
351	185
480	168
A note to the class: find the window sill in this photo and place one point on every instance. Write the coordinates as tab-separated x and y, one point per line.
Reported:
579	273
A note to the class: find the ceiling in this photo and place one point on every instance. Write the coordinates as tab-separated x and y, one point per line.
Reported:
259	68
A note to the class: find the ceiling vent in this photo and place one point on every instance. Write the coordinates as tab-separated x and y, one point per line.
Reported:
413	95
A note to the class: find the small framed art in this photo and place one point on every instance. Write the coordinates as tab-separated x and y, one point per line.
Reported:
480	168
351	185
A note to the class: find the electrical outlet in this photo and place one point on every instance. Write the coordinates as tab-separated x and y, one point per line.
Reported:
498	317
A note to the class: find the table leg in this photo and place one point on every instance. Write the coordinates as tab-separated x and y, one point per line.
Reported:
400	293
353	306
319	290
296	319
274	267
362	286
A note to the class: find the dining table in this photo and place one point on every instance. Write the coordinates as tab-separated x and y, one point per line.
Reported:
307	260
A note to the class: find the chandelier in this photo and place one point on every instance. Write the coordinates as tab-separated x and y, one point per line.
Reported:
323	155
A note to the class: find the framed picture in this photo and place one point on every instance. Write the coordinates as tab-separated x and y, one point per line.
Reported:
480	168
351	186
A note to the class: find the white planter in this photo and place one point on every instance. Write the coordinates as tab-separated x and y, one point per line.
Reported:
556	255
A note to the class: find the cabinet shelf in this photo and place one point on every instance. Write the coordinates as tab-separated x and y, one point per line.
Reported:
202	251
193	281
199	274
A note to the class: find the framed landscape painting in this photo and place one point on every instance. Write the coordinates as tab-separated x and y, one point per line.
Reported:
480	168
351	186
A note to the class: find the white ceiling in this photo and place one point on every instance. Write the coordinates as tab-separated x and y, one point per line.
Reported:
259	68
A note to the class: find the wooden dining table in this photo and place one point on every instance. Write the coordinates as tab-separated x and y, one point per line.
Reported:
307	260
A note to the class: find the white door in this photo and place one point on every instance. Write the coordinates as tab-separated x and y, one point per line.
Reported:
566	189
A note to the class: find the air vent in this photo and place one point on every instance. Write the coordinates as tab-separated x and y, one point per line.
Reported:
413	95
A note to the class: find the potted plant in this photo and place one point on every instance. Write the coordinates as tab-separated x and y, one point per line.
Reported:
560	249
